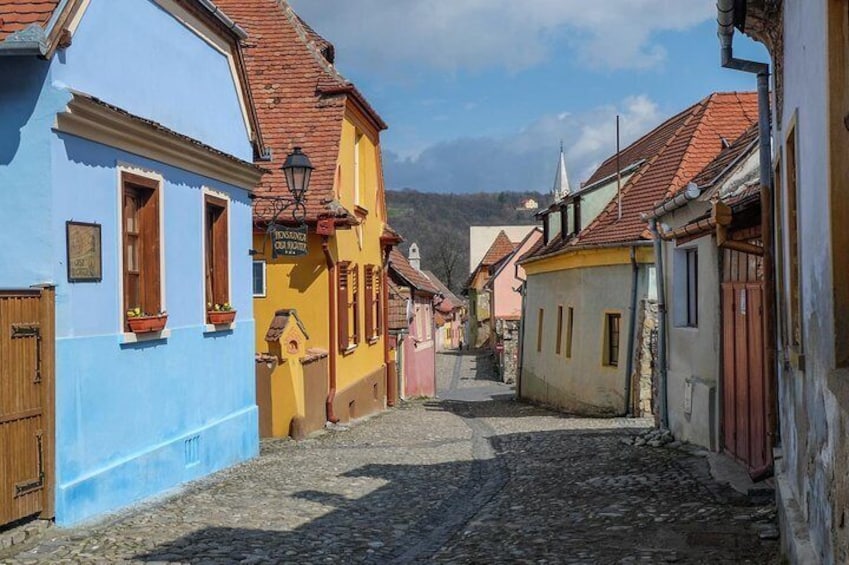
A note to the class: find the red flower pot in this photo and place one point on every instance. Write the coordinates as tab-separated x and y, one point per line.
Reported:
221	317
147	324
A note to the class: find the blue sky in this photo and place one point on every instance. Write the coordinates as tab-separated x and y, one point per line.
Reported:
478	94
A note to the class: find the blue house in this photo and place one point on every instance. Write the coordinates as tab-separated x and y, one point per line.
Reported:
127	138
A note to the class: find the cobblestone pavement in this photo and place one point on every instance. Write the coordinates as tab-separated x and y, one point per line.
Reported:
472	477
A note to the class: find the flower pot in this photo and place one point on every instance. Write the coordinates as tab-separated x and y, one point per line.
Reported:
221	317
147	324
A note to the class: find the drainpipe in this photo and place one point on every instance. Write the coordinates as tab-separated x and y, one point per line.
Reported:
391	383
632	323
661	326
331	301
521	363
679	201
725	31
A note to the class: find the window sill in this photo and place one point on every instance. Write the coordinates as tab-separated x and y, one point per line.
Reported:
373	340
218	328
360	210
351	349
132	337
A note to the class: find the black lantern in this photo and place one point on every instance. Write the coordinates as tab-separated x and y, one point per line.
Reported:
298	170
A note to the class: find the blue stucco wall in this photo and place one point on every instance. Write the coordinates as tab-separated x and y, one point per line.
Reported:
125	411
132	420
27	112
137	56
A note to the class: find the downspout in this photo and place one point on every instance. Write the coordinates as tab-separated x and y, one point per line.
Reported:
661	326
521	364
331	301
632	324
680	200
391	380
725	31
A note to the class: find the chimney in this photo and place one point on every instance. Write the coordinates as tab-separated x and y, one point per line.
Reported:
415	258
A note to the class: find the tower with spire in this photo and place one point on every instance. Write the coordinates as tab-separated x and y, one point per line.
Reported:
561	190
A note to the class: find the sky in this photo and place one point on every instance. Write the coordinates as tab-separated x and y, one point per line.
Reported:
479	94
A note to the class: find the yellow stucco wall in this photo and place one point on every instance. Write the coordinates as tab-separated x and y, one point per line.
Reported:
302	282
596	257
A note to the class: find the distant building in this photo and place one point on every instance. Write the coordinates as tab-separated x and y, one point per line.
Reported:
590	291
480	307
481	238
528	204
449	316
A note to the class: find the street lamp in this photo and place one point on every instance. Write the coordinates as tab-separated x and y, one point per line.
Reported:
298	170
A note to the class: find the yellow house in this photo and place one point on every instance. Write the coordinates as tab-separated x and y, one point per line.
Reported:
337	288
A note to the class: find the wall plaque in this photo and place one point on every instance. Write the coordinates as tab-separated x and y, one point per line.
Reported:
85	261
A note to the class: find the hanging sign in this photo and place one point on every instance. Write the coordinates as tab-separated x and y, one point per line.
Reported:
288	241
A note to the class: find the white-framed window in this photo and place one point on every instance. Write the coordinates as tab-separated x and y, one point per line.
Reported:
686	287
259	278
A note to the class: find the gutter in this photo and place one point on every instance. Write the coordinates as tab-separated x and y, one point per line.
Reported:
676	202
661	326
333	343
632	324
224	19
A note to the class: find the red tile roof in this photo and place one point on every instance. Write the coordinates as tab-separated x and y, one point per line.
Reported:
500	248
727	157
300	98
674	152
16	15
450	302
399	265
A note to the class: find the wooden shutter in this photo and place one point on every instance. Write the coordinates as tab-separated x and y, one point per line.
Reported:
218	250
142	269
378	301
368	274
355	304
342	304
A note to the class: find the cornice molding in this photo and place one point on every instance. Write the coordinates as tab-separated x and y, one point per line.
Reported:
93	120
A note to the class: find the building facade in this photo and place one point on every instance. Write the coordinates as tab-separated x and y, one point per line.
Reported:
337	287
127	170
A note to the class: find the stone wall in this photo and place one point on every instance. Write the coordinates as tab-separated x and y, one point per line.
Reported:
507	333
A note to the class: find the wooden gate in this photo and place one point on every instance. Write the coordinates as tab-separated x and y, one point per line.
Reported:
26	404
744	383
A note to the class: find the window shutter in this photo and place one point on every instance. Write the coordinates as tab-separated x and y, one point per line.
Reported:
355	304
342	305
368	274
378	301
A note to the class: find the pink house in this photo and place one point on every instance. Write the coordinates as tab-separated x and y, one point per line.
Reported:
449	315
505	299
411	297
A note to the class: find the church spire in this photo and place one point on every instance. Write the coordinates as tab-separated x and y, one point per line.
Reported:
561	180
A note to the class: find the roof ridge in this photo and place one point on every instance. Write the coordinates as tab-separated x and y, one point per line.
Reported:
700	105
298	25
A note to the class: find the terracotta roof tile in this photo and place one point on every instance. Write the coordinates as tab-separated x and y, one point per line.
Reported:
299	96
397	306
16	15
399	265
450	302
500	248
740	147
674	152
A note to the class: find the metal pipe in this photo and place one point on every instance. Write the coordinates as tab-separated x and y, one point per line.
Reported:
725	31
661	326
331	301
632	325
691	192
521	361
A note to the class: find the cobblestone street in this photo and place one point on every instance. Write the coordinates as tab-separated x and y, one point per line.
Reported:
472	477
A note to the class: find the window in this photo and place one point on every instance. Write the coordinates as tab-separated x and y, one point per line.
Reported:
692	265
141	244
569	323
373	314
357	169
793	241
539	329
611	339
686	288
259	279
559	329
348	298
217	251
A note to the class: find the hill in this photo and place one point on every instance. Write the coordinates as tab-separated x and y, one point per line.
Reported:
439	223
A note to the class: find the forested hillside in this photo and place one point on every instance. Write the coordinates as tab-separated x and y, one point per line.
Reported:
439	223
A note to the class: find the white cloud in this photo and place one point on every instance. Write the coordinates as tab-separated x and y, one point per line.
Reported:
478	34
527	159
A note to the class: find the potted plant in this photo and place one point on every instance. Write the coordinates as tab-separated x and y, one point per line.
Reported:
141	322
220	314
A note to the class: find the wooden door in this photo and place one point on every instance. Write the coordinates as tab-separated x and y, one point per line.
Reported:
745	426
26	404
